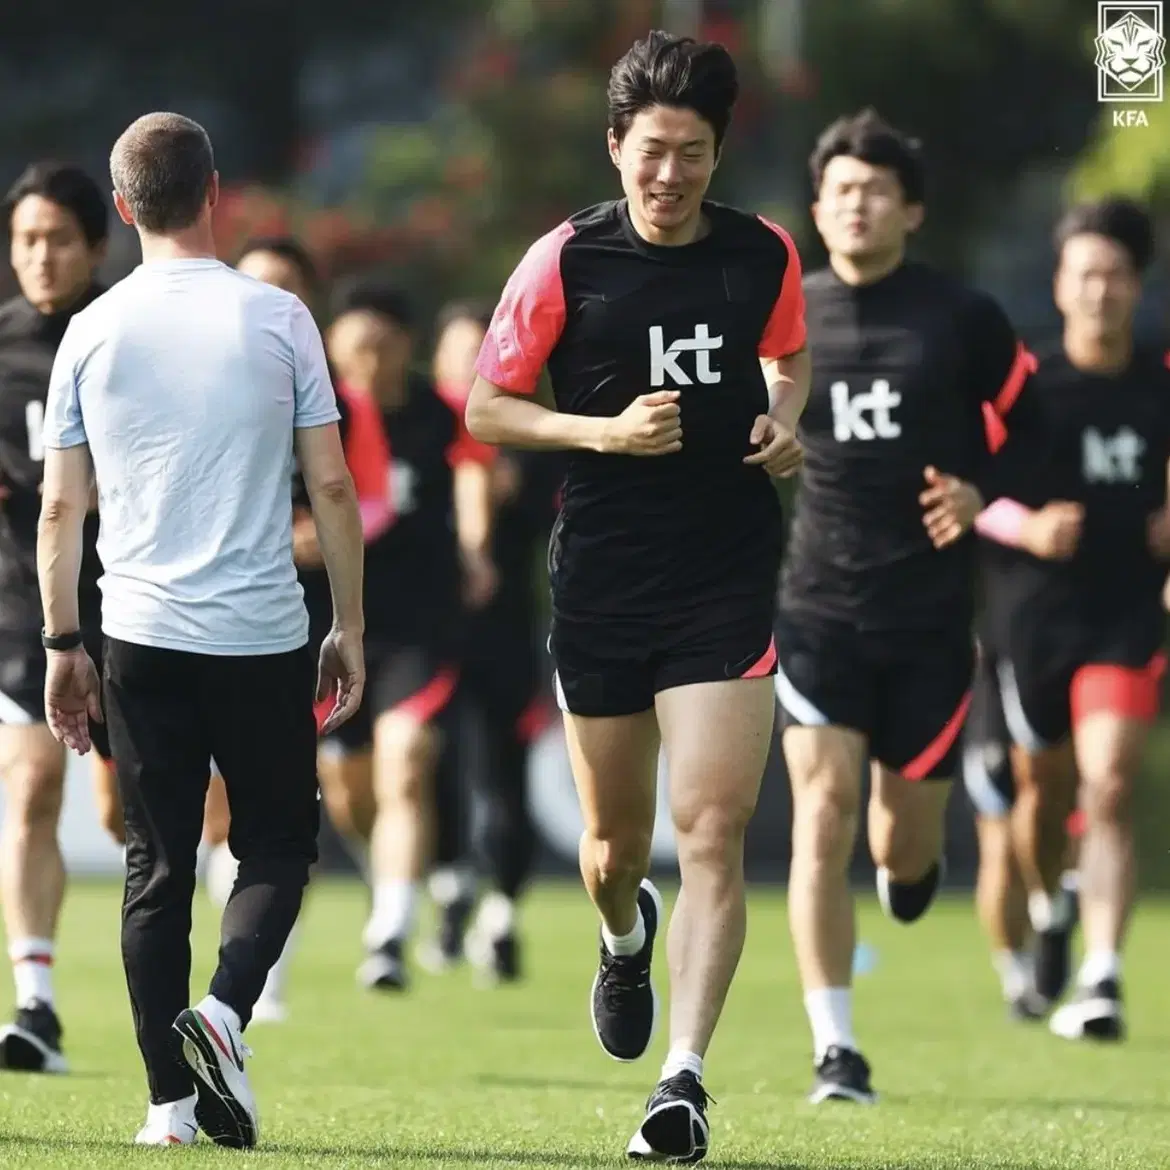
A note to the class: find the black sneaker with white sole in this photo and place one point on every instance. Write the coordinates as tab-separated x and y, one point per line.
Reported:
908	901
384	968
675	1128
1093	1013
225	1108
623	1003
1052	949
842	1075
32	1042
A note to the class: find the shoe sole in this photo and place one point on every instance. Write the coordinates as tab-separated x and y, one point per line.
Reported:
656	897
22	1051
1106	1026
823	1093
675	1133
220	1114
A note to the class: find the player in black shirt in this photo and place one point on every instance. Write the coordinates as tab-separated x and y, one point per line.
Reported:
877	592
57	221
424	491
1075	593
663	320
500	676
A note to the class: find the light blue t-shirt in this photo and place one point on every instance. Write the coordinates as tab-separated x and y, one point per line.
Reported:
187	381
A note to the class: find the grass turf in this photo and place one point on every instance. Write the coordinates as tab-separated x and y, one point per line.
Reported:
453	1076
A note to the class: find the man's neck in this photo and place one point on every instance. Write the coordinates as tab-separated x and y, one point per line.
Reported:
1098	354
66	306
193	243
863	270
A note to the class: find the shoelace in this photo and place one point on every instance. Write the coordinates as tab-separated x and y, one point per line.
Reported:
686	1085
620	977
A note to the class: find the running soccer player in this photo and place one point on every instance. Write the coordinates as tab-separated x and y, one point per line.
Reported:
425	499
57	223
500	676
664	319
1079	634
877	601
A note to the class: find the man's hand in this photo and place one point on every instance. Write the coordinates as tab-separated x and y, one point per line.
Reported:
1158	534
341	674
480	580
306	549
780	454
650	425
1053	532
950	506
72	697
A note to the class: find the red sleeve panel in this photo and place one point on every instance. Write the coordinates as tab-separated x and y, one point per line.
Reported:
784	334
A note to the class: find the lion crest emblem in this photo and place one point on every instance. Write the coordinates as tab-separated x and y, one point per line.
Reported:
1131	53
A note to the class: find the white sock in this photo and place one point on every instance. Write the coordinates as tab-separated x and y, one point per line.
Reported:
393	914
32	970
679	1060
625	944
451	884
496	917
183	1110
1049	911
277	979
830	1014
1099	965
220	875
1015	972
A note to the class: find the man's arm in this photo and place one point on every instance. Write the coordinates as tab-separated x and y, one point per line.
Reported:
788	379
64	503
333	500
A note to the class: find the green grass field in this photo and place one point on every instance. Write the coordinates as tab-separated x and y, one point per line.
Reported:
454	1076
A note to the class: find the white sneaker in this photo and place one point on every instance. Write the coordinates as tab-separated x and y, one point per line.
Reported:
172	1124
269	1010
215	1050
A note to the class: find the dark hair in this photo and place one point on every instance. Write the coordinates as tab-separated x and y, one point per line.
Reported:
868	137
162	166
288	248
467	310
375	296
69	187
663	70
1121	220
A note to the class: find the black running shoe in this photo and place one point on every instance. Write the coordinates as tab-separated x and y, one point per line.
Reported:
384	969
1052	950
1028	1006
909	901
675	1128
1094	1013
32	1042
624	1006
842	1075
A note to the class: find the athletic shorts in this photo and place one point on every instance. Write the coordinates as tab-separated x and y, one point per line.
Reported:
22	682
1053	673
906	691
987	745
408	680
609	667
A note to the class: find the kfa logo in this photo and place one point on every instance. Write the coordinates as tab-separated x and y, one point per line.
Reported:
664	359
1131	58
864	416
1112	459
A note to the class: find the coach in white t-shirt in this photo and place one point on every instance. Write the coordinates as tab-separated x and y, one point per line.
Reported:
187	391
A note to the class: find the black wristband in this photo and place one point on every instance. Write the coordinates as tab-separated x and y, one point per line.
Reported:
61	641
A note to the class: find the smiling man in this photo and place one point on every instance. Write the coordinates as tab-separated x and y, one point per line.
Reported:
57	223
664	321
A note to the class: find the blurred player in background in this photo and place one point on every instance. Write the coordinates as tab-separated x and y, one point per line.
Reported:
877	599
57	222
665	320
425	495
501	681
1075	600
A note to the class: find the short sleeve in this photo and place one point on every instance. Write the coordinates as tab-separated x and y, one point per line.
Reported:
315	401
64	425
784	333
466	449
528	321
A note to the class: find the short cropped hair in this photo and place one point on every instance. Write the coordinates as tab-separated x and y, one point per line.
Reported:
464	310
162	166
69	187
664	70
1121	220
288	248
868	137
378	297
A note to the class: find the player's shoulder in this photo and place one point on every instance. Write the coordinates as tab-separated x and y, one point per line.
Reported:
736	225
15	315
259	292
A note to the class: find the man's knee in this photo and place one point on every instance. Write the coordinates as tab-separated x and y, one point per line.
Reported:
33	795
622	856
407	752
826	792
1108	798
712	834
